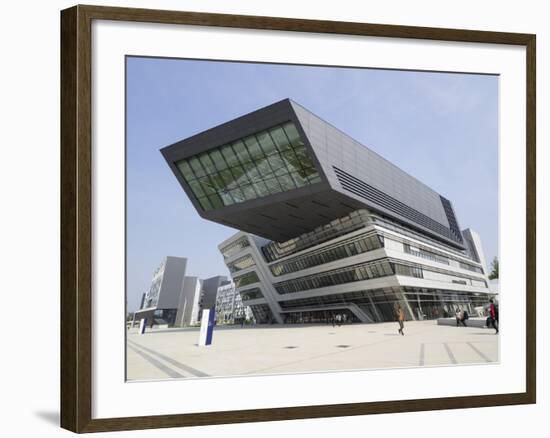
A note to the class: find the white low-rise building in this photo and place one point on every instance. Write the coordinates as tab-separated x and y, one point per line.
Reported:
229	306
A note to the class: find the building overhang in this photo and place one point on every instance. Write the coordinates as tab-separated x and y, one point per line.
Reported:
251	192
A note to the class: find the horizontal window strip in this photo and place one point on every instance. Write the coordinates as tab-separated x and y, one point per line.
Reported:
251	294
235	247
364	271
337	251
241	263
246	279
336	228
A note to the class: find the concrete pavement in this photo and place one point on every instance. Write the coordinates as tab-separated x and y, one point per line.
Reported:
173	353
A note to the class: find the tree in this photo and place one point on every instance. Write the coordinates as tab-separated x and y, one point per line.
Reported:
494	269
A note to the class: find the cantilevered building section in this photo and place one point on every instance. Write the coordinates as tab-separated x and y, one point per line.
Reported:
327	225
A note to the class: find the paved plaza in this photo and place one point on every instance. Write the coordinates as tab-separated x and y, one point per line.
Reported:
174	353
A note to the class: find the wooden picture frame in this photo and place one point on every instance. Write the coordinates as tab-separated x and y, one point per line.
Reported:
76	217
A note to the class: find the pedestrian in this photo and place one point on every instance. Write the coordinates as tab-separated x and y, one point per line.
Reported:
333	320
338	320
493	315
344	318
459	317
400	316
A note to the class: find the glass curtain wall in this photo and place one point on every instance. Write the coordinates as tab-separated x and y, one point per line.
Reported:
265	163
335	252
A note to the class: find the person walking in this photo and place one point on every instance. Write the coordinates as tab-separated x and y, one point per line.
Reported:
493	315
400	316
459	317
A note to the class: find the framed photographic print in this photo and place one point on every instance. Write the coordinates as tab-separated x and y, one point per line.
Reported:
285	218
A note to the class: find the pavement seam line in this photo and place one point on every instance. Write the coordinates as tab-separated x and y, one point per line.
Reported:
343	351
422	352
157	364
479	352
450	353
181	366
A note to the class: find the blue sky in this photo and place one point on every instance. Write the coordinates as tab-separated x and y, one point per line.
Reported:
441	128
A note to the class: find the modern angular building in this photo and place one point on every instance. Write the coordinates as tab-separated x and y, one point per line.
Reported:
326	225
229	305
197	294
175	299
161	302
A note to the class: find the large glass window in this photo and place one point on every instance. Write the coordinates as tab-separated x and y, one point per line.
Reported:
374	269
265	163
471	267
251	294
235	247
339	251
410	271
354	221
246	279
262	314
241	263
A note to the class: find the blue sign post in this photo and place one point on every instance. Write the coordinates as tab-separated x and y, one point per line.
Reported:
142	325
207	327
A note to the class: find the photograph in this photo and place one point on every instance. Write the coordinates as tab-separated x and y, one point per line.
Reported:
285	219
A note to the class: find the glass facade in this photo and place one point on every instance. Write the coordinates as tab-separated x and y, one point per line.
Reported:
436	303
409	271
262	314
240	264
335	252
358	297
470	267
152	297
165	316
378	304
319	316
229	306
235	247
391	224
265	163
434	256
425	254
246	279
364	271
338	227
251	294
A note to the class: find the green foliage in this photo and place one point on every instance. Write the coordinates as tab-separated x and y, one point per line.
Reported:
494	269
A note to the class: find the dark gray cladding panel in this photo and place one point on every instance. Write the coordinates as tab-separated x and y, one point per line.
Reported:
291	216
235	129
334	148
405	198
